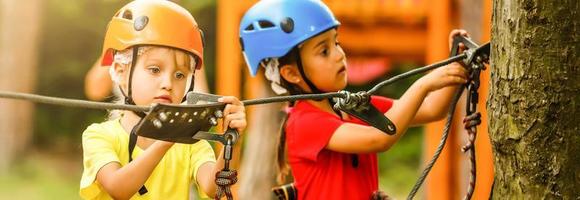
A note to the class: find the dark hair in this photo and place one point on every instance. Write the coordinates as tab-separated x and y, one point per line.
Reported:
293	89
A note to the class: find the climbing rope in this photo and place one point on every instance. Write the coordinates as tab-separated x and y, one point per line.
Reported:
470	123
72	102
226	177
442	142
224	180
111	106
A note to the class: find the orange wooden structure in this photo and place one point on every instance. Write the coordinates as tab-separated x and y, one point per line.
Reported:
401	30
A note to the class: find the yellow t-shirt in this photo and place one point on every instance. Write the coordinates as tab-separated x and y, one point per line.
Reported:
172	178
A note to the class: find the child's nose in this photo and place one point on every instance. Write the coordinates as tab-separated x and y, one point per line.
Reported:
167	82
340	55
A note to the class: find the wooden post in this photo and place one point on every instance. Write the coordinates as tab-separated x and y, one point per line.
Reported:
20	23
228	52
259	167
483	144
440	182
228	72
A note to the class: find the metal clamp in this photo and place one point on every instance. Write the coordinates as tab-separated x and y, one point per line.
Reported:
359	105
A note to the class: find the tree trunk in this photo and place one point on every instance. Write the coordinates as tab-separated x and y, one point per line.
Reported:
259	160
19	28
534	99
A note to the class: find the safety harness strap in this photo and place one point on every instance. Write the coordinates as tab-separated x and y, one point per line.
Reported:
132	144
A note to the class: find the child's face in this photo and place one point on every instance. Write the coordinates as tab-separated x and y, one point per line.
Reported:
324	61
160	76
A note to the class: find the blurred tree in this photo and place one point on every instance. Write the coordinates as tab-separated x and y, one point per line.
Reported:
19	22
534	97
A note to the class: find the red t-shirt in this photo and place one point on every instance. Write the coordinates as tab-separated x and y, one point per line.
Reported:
324	174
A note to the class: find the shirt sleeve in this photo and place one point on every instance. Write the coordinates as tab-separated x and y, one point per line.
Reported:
310	132
202	153
383	104
98	150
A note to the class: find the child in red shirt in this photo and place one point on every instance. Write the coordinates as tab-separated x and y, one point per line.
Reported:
332	154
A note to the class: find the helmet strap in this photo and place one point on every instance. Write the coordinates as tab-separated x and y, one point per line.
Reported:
128	97
313	88
191	84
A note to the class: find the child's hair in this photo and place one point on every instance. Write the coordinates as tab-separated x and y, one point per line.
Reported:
292	89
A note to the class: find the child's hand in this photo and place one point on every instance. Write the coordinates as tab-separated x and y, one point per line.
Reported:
455	32
449	75
234	113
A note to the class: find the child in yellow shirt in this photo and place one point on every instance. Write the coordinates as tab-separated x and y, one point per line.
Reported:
153	48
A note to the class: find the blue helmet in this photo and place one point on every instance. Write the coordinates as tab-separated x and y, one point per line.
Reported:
271	28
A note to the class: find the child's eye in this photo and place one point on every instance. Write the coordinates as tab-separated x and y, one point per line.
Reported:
324	52
154	69
179	75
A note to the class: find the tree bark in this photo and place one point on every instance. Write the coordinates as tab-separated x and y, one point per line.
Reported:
19	28
259	168
534	99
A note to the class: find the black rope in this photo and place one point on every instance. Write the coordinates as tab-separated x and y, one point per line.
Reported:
111	106
71	102
292	98
417	71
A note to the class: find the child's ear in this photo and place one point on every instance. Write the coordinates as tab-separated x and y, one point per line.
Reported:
291	74
119	69
119	72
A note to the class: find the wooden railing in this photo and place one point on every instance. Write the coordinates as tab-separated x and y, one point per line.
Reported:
403	11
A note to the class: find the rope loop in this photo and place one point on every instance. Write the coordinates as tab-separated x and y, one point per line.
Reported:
224	179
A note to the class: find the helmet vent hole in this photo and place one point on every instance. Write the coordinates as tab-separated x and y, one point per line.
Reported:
249	28
265	24
128	15
287	25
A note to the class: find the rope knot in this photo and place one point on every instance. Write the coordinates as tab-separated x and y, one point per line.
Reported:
470	123
224	179
352	101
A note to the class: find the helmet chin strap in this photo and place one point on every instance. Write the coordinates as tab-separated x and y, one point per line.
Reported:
313	88
129	96
191	84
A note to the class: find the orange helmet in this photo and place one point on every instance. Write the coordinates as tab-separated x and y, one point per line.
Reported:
146	22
